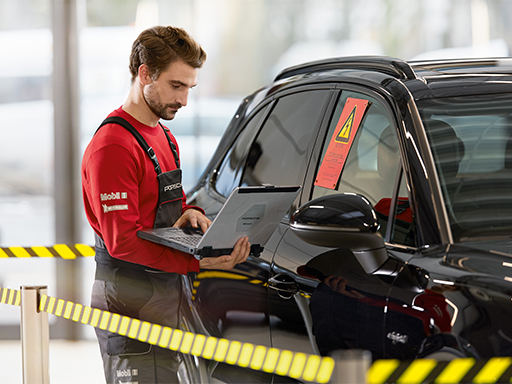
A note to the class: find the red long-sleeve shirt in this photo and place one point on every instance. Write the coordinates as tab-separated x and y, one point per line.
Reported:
120	192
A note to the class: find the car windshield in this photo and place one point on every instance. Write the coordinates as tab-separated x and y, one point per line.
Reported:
471	141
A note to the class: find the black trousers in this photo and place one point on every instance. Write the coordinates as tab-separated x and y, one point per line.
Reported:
147	296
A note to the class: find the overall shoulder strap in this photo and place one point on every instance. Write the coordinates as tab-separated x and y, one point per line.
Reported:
125	124
173	147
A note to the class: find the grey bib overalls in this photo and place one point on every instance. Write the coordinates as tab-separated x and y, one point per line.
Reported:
140	292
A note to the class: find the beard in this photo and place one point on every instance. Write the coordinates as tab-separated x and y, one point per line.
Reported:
154	103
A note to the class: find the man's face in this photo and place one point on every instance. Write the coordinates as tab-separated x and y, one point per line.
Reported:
169	92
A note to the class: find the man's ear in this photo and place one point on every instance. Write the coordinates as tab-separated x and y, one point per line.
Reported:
144	75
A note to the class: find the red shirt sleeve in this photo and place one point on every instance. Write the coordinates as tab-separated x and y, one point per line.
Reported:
119	191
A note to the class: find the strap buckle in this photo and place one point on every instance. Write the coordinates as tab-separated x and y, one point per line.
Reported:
152	156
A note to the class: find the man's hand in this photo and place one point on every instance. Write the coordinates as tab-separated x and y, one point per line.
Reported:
195	218
239	255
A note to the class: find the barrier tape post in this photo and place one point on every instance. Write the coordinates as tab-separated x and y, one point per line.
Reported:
351	366
35	337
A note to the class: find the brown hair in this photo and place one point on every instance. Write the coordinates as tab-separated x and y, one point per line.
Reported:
158	47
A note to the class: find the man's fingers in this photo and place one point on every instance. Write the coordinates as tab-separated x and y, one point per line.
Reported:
242	247
178	222
204	223
239	254
193	218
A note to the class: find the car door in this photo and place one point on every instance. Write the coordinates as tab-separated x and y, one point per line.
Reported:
274	148
324	299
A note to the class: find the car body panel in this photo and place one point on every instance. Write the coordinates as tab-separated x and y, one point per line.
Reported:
430	297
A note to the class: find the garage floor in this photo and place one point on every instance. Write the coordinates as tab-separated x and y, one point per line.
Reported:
76	362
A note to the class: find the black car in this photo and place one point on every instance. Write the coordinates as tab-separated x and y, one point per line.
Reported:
400	241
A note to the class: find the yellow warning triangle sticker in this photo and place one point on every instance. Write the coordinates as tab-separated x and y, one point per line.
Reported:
344	135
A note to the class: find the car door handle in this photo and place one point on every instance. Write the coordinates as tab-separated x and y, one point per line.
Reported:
284	285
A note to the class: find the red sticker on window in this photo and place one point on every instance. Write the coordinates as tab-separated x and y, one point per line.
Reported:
341	141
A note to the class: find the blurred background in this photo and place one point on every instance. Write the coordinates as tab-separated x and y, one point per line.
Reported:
64	67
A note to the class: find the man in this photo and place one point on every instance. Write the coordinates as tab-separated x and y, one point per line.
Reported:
131	180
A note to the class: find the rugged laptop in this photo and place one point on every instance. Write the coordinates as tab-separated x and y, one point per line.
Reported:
249	211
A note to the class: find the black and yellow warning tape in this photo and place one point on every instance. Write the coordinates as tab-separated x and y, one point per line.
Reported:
58	250
10	296
296	365
462	370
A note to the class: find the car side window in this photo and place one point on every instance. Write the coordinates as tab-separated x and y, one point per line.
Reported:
280	153
230	171
371	166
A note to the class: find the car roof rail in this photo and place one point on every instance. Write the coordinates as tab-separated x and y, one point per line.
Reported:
477	64
390	66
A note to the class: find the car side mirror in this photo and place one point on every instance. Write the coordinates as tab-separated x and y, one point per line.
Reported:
343	220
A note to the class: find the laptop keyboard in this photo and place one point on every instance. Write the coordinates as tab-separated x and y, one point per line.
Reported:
190	236
189	240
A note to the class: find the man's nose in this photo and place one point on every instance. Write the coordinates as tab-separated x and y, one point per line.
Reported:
183	98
